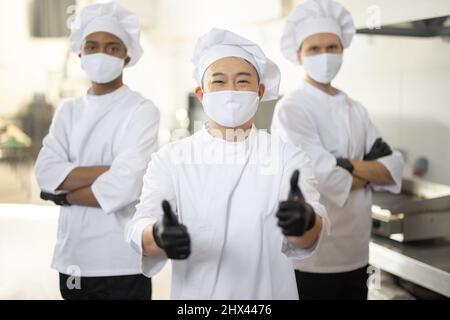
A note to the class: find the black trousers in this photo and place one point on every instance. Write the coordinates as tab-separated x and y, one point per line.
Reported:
134	287
350	285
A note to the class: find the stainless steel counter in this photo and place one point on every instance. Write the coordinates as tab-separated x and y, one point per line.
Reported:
425	263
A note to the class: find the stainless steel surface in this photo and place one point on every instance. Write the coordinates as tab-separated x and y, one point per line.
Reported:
421	211
425	263
424	28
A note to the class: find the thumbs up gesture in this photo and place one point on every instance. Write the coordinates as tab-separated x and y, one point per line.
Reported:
171	236
295	216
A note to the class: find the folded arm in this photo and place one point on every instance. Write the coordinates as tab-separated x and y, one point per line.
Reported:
384	173
121	185
83	197
53	163
372	171
358	183
82	177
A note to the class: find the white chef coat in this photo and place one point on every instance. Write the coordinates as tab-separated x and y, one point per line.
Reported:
227	194
118	129
329	127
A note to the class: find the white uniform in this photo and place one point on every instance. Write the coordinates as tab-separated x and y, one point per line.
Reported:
227	194
118	130
328	127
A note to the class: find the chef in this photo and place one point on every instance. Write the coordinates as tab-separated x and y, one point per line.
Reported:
211	202
93	160
349	155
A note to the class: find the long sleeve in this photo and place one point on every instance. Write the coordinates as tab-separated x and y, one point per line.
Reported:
158	186
393	163
121	185
334	182
297	159
53	164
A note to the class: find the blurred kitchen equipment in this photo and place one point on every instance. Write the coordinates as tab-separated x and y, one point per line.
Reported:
14	158
432	27
263	118
49	18
12	139
420	167
196	114
421	211
35	119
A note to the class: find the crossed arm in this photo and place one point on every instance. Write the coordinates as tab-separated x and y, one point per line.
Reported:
78	183
365	172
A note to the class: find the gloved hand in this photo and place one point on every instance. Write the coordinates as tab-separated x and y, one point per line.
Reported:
379	149
345	164
171	236
58	199
295	216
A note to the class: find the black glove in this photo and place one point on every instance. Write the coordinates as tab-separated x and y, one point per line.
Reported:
171	236
295	216
58	199
379	149
345	164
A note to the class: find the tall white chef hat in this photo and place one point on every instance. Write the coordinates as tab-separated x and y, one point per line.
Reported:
218	44
316	16
112	18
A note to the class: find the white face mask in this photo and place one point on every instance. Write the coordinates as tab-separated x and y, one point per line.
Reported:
102	68
322	67
231	108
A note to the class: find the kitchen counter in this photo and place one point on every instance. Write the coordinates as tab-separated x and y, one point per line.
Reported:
425	263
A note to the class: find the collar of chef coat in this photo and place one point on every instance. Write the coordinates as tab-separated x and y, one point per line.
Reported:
238	150
106	99
340	97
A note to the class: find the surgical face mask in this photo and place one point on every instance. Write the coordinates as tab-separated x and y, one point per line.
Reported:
102	68
323	68
231	108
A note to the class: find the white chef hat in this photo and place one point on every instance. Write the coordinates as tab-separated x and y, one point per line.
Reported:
112	18
218	44
312	17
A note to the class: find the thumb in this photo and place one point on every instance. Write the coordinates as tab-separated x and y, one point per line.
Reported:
169	218
378	143
295	193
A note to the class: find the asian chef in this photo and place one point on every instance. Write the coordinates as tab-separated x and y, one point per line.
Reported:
229	205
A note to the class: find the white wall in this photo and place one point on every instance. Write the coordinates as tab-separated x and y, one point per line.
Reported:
405	83
26	65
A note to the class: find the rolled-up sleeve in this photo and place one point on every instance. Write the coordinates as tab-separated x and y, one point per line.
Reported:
158	186
53	164
394	163
121	185
334	182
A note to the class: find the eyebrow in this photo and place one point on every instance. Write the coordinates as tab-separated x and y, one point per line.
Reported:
216	74
108	43
113	43
244	74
